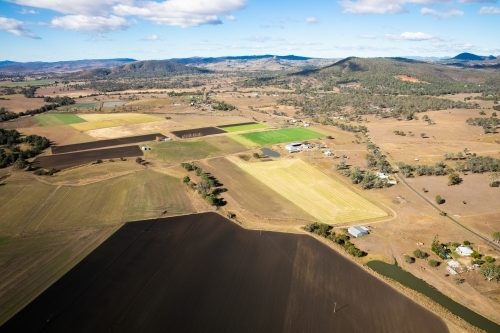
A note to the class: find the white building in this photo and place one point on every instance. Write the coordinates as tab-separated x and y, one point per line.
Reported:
382	175
358	231
464	250
292	149
328	153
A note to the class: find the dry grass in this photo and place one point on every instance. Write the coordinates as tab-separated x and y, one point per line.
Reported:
164	127
324	198
96	121
225	144
60	135
18	103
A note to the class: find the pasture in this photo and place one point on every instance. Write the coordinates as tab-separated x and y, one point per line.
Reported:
19	103
243	127
79	106
253	195
96	121
322	197
281	136
225	144
175	152
22	122
58	119
183	274
46	229
163	126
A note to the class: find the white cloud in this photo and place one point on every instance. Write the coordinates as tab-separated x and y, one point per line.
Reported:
262	39
381	6
410	36
230	18
152	38
16	27
489	10
98	24
79	7
442	15
311	20
26	11
183	13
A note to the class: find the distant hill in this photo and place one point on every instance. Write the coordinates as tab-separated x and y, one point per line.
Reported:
472	57
211	60
60	66
148	68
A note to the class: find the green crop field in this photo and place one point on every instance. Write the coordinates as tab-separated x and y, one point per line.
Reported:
303	185
26	83
59	119
175	152
281	135
239	128
79	106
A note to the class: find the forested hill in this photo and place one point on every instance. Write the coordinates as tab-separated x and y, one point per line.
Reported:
403	76
470	56
141	69
60	66
210	60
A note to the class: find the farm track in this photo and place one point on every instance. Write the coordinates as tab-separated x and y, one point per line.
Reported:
495	246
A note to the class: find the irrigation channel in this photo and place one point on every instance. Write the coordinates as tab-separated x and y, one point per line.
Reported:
397	273
270	152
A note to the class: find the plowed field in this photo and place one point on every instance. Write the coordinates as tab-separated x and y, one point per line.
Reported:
202	273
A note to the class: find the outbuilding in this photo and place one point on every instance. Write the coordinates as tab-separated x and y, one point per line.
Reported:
464	250
358	231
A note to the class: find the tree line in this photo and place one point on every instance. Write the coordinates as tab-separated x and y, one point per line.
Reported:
11	153
326	231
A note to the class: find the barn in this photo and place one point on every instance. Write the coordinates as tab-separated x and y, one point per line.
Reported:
358	231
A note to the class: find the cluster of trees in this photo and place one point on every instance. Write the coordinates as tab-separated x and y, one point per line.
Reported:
400	133
65	100
478	164
376	159
439	169
488	124
365	178
223	106
209	187
11	153
29	92
142	83
345	127
324	230
440	249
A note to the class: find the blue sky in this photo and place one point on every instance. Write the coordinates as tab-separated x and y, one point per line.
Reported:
54	30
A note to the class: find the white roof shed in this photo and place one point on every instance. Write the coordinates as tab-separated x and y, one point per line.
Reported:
464	250
358	231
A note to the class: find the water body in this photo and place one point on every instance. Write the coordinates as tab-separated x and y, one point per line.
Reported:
270	152
397	273
111	104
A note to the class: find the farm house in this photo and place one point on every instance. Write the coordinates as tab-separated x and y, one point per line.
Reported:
464	250
358	231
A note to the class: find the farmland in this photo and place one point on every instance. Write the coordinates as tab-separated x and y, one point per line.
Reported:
197	132
41	239
23	122
242	127
282	135
59	119
27	83
103	143
253	195
163	126
175	152
324	198
166	267
63	161
96	121
88	105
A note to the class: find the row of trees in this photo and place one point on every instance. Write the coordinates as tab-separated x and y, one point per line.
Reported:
326	231
488	124
208	187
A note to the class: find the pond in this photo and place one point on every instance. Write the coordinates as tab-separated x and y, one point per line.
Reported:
270	152
397	273
111	104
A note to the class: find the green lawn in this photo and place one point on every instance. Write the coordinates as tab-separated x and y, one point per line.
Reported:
79	105
175	152
238	128
282	135
27	83
59	119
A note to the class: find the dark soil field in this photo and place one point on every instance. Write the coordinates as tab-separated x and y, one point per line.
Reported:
240	124
103	143
64	161
23	122
202	273
197	132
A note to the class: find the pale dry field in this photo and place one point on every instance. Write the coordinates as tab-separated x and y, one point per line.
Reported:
97	121
18	103
163	127
211	119
324	198
59	135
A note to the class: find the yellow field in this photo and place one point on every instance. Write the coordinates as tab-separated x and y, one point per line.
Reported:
243	141
96	121
319	195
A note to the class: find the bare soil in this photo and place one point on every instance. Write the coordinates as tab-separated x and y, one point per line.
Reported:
197	132
201	272
104	143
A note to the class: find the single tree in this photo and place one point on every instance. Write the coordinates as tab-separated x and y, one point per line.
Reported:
496	236
490	271
439	200
420	254
489	259
453	179
139	160
423	135
409	259
433	263
493	177
186	179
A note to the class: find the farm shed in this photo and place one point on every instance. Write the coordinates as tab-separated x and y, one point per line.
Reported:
358	231
464	250
292	149
382	175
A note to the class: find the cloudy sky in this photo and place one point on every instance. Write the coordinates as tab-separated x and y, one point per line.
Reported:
52	30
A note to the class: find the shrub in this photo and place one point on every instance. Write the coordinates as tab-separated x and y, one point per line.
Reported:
186	179
434	263
409	259
439	200
489	259
420	254
139	160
